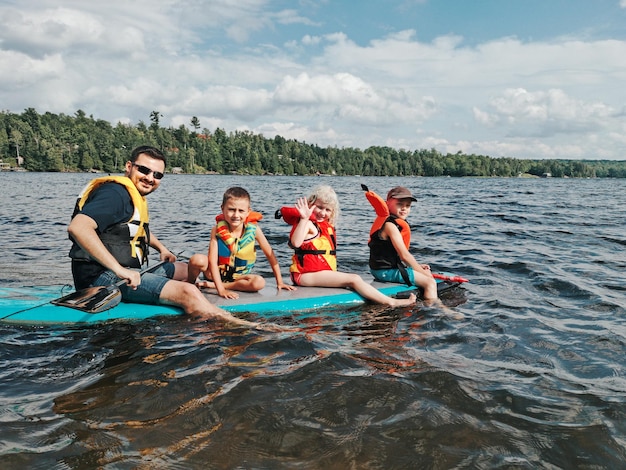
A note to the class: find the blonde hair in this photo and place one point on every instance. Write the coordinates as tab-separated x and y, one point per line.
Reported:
326	195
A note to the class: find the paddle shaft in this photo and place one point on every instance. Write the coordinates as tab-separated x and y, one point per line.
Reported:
123	281
147	270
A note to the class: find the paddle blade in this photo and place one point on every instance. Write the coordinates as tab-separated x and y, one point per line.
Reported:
91	299
443	277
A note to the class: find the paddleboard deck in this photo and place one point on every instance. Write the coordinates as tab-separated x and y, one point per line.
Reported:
32	304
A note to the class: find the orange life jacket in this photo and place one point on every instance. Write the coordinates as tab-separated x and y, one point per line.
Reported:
383	215
383	255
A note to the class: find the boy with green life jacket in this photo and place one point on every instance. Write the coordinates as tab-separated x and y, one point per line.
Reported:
232	250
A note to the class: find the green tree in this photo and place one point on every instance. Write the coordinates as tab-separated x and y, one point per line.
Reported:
195	123
58	142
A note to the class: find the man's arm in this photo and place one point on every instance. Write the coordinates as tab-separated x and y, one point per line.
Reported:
82	229
166	255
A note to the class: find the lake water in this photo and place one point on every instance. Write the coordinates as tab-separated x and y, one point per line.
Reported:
533	377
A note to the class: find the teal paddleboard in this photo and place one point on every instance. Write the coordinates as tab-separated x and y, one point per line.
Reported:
32	304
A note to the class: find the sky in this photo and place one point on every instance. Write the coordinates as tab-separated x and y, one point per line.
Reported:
524	79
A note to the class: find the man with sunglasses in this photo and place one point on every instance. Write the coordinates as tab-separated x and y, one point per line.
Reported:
110	240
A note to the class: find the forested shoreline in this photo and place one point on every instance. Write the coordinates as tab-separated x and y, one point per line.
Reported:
58	142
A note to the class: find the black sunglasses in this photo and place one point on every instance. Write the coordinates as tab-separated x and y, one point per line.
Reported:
144	170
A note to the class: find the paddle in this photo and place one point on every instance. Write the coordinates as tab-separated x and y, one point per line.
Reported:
443	277
99	298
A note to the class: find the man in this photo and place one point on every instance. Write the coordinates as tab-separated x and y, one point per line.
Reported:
110	234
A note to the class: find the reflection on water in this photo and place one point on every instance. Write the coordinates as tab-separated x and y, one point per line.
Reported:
532	378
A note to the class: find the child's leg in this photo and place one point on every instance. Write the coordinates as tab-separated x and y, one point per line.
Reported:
355	282
246	283
197	264
181	272
427	283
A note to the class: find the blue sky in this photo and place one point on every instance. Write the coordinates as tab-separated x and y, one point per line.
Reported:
516	78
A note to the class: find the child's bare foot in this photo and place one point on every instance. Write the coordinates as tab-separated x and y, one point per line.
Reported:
447	311
404	302
205	284
452	314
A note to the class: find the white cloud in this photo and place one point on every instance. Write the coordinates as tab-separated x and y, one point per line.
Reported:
309	40
531	99
544	113
26	71
42	31
67	31
351	99
291	130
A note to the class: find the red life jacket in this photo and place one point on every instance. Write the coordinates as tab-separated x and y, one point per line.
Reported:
316	254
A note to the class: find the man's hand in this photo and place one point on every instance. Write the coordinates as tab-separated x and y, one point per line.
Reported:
132	278
167	255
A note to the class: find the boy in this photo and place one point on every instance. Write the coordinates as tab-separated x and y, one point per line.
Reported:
390	235
232	253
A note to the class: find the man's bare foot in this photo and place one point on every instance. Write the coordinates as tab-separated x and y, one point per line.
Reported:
205	285
235	321
222	315
273	328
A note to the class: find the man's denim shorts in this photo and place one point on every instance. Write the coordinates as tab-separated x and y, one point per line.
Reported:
148	291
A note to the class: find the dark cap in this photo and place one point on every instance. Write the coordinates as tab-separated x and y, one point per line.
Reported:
400	192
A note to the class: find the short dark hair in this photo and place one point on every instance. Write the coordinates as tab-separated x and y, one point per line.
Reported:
236	192
152	152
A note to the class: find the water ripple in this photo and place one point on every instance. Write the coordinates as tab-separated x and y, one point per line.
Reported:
534	377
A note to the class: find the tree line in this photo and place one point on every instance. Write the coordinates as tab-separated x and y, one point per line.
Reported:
58	142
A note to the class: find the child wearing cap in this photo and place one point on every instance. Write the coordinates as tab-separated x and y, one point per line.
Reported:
390	236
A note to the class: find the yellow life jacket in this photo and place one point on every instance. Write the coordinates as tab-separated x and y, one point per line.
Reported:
127	241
